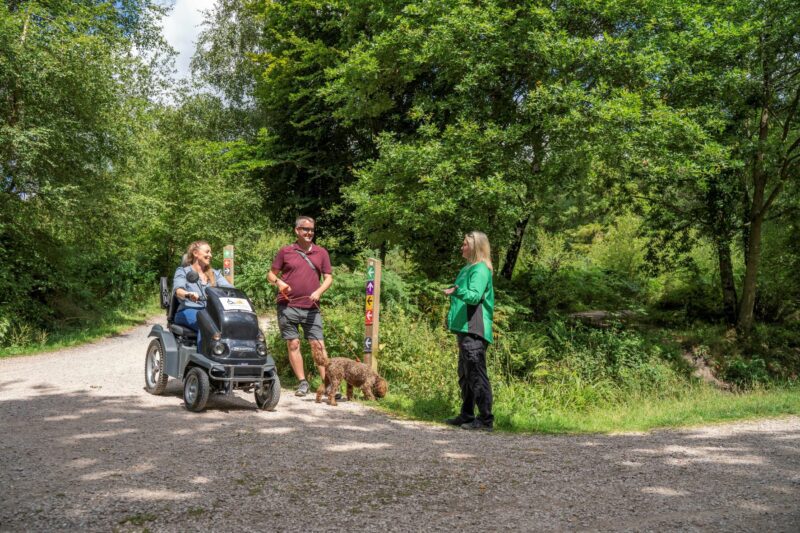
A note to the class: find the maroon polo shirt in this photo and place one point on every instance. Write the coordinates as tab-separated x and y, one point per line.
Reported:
298	273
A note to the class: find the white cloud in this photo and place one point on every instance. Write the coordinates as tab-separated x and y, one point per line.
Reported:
181	28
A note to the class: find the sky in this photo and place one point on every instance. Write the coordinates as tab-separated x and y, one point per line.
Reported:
181	28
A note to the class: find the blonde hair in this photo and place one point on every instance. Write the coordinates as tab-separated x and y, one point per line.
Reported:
479	249
188	259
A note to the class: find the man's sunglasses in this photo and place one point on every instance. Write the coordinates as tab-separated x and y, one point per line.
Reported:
307	230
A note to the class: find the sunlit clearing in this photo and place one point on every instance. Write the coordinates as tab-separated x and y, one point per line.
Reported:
355	446
453	455
664	491
277	431
154	495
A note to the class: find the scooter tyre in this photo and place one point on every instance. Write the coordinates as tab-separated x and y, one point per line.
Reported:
196	388
155	378
271	396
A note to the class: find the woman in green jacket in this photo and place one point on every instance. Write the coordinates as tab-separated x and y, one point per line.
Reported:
470	318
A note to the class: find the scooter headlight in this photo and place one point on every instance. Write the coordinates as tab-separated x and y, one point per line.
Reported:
218	348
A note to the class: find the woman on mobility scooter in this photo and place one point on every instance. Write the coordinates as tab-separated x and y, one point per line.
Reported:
192	295
232	354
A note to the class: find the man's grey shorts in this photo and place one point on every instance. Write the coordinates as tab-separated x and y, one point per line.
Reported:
291	317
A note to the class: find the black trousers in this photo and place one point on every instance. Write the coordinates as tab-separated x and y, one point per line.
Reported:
473	378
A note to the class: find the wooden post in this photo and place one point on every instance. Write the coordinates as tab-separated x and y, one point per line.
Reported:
372	313
227	263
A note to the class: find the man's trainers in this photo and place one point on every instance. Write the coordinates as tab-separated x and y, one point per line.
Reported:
477	425
457	421
302	389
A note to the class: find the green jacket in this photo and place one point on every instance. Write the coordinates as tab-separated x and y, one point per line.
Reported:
472	303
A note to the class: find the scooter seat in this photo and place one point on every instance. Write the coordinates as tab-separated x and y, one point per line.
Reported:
183	331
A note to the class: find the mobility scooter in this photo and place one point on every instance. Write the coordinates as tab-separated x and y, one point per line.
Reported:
231	354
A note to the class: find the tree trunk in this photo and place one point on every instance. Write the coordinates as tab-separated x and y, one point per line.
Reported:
756	219
752	260
382	252
727	282
513	250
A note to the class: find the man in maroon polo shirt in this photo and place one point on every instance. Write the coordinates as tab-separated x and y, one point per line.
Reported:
300	266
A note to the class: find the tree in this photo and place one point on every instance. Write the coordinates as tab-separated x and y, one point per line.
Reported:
66	99
190	180
446	80
728	73
276	71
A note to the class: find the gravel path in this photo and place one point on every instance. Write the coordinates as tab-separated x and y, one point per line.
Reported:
85	448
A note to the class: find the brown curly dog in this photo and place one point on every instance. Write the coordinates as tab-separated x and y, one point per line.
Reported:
356	374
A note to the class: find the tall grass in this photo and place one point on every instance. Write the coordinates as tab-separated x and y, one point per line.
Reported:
23	339
547	376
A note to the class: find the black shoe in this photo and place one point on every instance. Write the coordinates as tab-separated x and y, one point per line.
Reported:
458	421
478	426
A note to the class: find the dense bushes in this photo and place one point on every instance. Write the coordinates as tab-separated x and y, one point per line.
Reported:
536	366
543	362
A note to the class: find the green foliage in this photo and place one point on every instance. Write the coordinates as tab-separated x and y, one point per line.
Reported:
745	372
459	189
689	294
254	256
409	124
552	365
621	250
270	59
769	353
693	405
572	289
547	374
619	156
535	370
484	110
350	287
21	338
70	91
590	268
778	288
716	142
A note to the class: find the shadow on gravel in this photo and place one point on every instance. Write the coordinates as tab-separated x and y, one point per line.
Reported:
215	403
82	461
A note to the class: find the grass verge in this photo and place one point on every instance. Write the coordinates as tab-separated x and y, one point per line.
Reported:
698	405
112	323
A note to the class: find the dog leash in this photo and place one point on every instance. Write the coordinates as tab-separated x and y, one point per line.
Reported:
290	300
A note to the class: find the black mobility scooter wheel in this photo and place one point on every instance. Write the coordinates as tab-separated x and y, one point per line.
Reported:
268	397
155	378
195	389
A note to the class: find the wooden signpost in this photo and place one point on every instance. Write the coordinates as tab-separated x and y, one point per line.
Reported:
227	263
372	308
